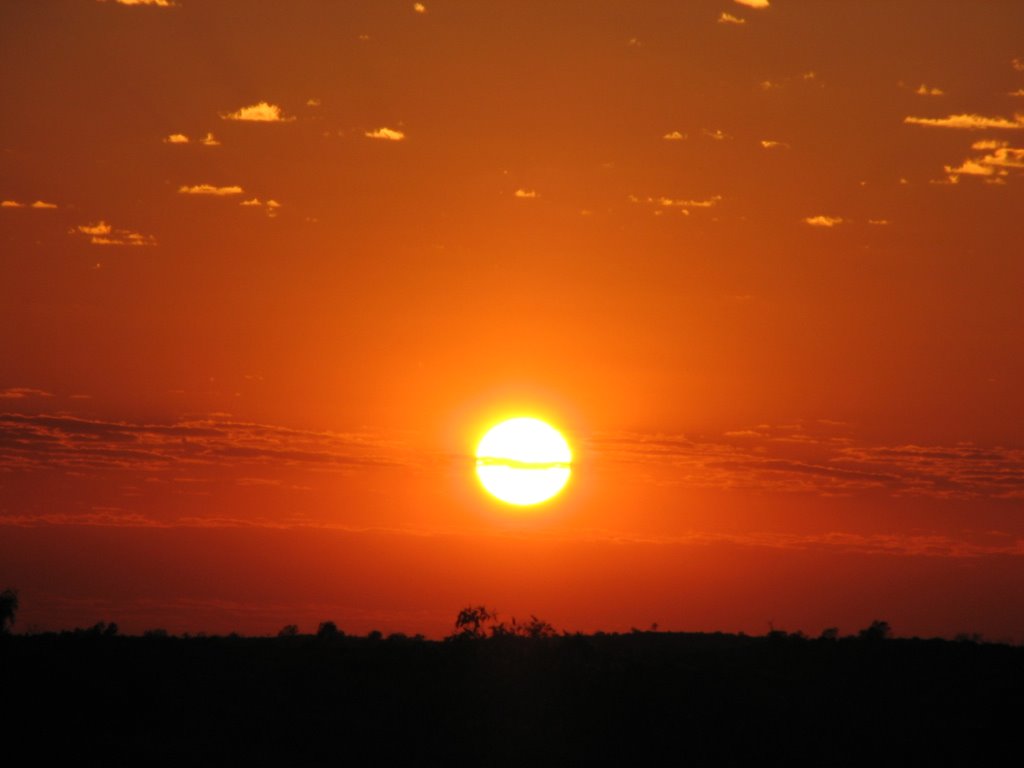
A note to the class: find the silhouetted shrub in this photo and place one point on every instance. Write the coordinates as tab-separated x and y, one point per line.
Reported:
328	630
879	630
8	609
288	630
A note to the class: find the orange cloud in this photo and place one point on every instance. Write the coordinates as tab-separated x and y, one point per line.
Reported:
262	112
674	136
419	8
753	3
728	18
999	161
969	122
20	393
102	233
152	3
38	205
270	206
823	221
209	141
209	189
176	138
772	144
525	194
385	134
924	90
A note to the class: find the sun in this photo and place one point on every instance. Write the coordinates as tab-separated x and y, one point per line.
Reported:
523	461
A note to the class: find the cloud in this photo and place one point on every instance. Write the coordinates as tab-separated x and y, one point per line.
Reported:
817	458
525	194
969	122
823	221
1018	93
67	442
176	138
684	206
999	161
270	206
419	8
385	134
209	189
209	140
20	393
668	202
38	205
924	90
717	134
151	3
312	102
1017	64
728	18
258	113
772	144
753	3
878	222
674	136
102	233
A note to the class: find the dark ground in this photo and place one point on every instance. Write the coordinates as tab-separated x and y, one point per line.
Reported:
684	699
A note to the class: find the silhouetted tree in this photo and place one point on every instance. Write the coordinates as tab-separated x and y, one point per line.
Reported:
288	630
829	633
470	621
879	630
328	630
8	609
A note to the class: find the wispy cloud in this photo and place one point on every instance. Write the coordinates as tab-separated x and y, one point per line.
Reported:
525	194
926	90
270	207
683	205
753	3
717	134
385	134
820	459
823	221
263	112
176	138
998	161
969	122
39	205
209	140
60	441
102	233
313	102
20	393
674	136
728	18
1019	93
772	144
151	3
419	8
209	189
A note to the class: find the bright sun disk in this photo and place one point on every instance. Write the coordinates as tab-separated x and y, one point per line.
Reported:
523	461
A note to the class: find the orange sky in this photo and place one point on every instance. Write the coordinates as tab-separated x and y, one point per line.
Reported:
270	269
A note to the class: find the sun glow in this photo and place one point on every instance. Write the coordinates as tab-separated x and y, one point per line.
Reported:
523	461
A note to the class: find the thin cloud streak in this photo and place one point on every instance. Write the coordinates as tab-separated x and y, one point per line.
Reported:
969	122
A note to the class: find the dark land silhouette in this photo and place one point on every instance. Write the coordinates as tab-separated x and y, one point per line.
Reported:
511	694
